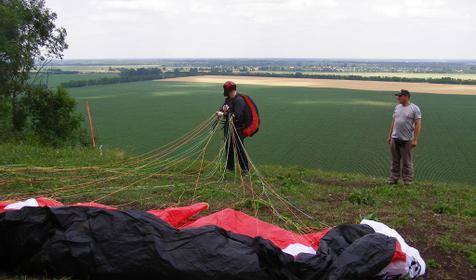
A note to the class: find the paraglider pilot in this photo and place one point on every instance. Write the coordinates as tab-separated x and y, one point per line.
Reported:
240	110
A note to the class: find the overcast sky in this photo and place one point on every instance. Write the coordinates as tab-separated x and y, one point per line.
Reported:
413	29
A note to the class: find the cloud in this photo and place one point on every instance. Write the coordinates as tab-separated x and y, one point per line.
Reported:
257	28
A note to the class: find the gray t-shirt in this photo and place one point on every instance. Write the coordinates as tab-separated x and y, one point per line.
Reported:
405	118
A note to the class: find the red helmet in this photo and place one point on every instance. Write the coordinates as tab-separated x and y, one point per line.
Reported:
228	87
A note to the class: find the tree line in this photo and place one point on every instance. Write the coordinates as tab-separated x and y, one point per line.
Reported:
127	75
442	80
155	73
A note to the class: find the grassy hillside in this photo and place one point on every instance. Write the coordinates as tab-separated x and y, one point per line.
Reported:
438	219
331	129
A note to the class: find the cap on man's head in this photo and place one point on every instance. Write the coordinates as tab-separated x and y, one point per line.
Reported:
228	87
403	92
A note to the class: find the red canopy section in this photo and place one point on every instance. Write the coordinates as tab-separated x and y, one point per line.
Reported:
241	223
179	216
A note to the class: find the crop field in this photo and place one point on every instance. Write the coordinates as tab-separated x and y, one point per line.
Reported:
105	68
55	80
333	83
331	129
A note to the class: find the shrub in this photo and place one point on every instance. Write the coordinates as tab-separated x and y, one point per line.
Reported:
443	208
5	121
470	212
52	117
362	197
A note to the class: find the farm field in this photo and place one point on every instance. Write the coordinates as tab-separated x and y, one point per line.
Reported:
332	83
103	68
55	80
332	129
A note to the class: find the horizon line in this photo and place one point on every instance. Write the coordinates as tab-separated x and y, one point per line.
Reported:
269	58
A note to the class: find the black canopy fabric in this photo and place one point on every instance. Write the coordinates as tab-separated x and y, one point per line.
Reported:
93	243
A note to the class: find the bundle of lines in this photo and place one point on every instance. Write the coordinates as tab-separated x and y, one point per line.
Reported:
192	160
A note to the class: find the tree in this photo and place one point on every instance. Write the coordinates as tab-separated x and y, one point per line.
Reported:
28	36
52	115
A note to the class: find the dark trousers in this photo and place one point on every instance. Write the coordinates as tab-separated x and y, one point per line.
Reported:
401	152
235	142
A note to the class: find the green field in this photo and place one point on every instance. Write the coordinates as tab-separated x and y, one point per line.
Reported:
104	68
332	129
55	80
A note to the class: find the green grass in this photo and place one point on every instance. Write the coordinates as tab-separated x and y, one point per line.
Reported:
446	238
331	129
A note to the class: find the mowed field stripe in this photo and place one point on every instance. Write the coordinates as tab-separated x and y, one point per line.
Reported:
330	83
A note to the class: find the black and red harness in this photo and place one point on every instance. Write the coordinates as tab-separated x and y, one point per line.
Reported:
253	126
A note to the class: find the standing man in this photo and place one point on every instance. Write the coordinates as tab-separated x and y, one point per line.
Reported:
242	111
403	137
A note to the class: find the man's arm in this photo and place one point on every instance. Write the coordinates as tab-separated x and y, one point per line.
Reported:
417	132
389	138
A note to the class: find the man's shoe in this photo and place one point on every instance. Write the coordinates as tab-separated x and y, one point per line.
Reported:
409	183
392	182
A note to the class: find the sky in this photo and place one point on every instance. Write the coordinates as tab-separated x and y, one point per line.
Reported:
379	29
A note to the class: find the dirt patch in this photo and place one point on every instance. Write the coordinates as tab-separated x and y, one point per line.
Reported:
329	83
442	263
449	264
342	182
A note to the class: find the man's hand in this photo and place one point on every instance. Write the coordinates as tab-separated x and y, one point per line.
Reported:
389	140
219	114
417	132
225	108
